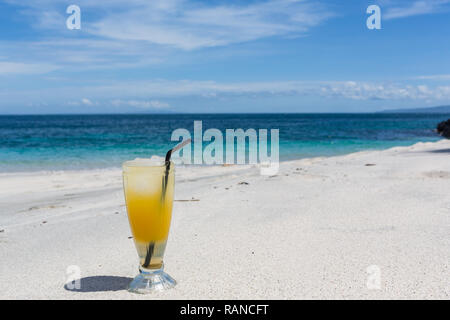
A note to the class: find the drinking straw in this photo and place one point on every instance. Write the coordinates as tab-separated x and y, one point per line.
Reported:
167	163
151	245
148	257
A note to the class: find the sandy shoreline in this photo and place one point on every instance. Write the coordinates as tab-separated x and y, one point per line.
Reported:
309	232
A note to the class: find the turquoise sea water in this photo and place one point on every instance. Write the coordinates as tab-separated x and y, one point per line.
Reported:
54	142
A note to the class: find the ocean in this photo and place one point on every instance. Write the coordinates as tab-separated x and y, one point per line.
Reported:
59	142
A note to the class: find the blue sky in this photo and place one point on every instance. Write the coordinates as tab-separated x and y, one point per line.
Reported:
222	56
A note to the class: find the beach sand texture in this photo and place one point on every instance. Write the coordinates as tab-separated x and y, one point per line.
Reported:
322	228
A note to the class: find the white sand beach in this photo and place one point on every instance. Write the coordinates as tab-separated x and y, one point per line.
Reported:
321	228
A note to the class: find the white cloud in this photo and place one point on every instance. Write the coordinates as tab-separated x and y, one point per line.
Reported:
87	102
73	103
327	89
143	33
76	55
138	104
135	94
188	26
141	104
379	91
434	77
7	68
415	8
81	102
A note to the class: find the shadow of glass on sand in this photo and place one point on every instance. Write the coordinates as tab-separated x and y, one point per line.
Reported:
441	151
100	283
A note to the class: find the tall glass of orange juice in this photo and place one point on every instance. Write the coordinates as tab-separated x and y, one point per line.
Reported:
149	188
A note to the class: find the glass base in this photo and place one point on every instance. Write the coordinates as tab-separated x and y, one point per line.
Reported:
148	281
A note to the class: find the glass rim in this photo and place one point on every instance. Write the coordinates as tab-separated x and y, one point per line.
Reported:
136	164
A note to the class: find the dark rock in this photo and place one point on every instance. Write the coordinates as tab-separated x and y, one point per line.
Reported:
443	129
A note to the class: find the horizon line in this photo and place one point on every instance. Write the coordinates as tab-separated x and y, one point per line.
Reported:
396	111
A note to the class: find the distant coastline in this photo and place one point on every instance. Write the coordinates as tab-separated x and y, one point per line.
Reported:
425	110
437	110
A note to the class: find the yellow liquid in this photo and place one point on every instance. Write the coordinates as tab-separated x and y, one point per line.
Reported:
149	212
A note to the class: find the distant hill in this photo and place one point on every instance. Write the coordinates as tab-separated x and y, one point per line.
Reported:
440	109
